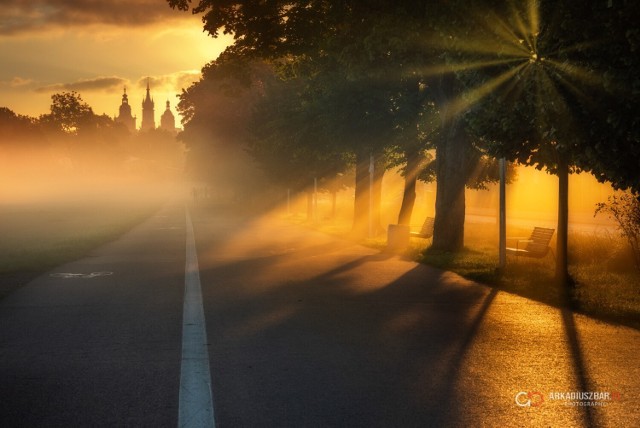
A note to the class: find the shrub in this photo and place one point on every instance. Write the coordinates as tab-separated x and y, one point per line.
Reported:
625	210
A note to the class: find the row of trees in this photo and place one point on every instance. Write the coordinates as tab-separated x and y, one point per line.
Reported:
77	139
548	84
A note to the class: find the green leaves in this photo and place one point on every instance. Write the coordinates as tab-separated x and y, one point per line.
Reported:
69	112
577	99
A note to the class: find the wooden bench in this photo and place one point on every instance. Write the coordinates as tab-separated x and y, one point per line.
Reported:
536	246
426	231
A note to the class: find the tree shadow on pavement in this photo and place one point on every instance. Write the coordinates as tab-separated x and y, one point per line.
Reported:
344	347
591	418
307	330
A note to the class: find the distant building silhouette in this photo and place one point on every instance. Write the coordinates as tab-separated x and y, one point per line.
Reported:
124	115
148	115
167	120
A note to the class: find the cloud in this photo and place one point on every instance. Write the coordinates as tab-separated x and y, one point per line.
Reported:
19	81
16	82
174	82
23	16
87	85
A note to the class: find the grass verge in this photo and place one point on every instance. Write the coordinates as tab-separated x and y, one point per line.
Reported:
38	236
607	286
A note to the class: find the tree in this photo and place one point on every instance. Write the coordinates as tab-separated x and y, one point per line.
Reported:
18	130
358	120
68	113
88	140
217	113
543	115
625	209
289	139
369	47
416	134
603	63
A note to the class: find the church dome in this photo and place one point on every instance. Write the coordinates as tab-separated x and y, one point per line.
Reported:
167	120
124	115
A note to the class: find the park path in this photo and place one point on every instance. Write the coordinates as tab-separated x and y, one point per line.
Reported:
303	329
310	330
101	351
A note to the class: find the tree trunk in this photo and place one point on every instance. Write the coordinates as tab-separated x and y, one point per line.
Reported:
562	263
361	202
378	175
502	216
455	158
414	160
453	161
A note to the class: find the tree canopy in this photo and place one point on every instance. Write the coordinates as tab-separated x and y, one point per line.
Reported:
548	84
571	93
68	113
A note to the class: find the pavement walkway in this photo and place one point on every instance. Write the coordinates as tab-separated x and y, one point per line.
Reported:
303	330
309	330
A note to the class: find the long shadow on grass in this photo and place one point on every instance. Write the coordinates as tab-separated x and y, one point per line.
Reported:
532	279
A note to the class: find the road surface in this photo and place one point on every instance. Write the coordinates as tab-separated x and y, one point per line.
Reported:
300	330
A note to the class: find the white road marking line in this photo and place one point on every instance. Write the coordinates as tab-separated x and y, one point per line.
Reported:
196	399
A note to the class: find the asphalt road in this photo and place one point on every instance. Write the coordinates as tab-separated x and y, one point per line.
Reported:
303	330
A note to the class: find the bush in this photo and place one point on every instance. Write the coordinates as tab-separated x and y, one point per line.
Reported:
625	210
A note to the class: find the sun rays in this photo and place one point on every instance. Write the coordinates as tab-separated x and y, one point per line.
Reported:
473	96
510	50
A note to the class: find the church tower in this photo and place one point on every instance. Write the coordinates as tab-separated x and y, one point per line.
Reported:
167	120
148	115
124	115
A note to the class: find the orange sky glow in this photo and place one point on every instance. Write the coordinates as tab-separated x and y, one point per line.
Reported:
96	49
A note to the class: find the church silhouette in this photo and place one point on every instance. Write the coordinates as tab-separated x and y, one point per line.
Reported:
167	120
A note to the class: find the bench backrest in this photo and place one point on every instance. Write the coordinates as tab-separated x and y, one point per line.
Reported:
540	239
427	227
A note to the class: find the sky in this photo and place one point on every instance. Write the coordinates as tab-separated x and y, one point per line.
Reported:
96	48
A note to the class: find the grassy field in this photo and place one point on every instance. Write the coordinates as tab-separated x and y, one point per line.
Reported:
607	283
37	236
